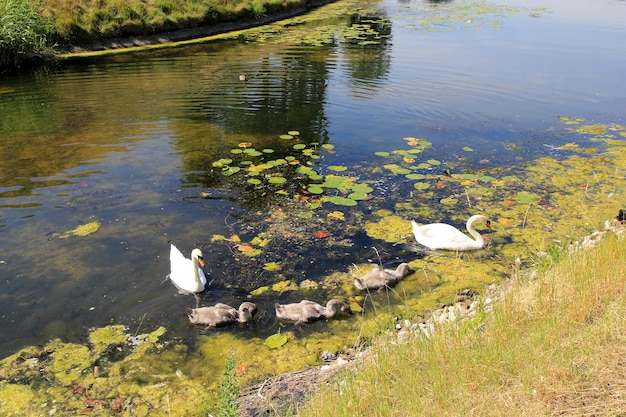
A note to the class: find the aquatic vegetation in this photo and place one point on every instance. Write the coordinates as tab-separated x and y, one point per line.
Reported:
82	230
460	15
275	341
534	207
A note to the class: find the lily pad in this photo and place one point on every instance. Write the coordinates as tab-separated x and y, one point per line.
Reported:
294	133
337	168
382	153
342	201
328	146
525	197
230	171
299	146
277	180
416	176
449	201
421	186
286	137
272	266
315	189
275	341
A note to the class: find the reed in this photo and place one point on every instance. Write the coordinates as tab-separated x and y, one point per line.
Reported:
23	29
553	346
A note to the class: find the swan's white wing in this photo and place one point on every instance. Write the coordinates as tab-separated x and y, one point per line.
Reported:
442	236
181	271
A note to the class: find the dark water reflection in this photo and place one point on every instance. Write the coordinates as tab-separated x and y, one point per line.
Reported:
129	141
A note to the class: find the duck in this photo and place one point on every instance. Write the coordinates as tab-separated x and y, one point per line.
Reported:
307	311
379	278
221	314
186	274
443	236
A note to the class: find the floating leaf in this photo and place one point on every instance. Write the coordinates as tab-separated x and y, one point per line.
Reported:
433	162
315	189
260	241
299	146
382	153
222	162
254	181
283	286
411	141
260	290
416	176
321	234
421	185
487	178
267	150
449	201
236	151
230	171
294	133
286	137
468	176
468	149
328	146
272	266
358	196
337	168
252	152
277	180
401	171
342	201
525	197
275	341
337	215
305	215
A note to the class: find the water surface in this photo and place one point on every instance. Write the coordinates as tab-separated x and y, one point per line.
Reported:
129	141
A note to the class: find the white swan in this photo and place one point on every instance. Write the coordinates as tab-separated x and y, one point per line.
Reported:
307	311
185	273
443	236
221	314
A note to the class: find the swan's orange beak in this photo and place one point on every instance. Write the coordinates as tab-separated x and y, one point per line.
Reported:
200	260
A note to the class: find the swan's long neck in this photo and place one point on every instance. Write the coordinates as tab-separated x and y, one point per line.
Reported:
196	273
472	231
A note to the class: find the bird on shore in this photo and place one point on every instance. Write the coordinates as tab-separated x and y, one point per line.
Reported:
308	311
187	274
443	236
379	278
221	314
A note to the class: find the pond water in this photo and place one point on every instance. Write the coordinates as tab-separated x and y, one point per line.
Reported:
129	144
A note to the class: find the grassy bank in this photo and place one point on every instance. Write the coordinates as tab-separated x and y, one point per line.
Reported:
46	25
554	346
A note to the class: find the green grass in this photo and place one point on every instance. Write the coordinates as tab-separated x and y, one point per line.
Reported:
23	29
553	346
77	22
43	25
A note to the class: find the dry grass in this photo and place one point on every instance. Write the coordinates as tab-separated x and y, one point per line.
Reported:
555	346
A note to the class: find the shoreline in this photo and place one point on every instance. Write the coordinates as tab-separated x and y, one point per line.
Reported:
179	37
